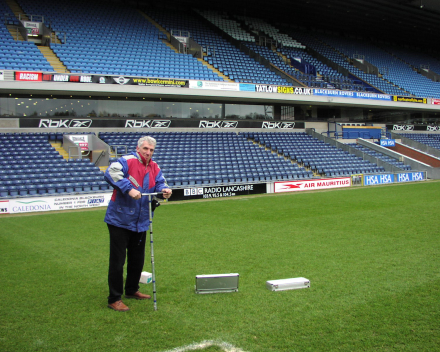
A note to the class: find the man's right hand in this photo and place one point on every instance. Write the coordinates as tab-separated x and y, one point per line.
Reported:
135	194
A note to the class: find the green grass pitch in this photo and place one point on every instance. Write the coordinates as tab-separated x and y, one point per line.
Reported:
370	253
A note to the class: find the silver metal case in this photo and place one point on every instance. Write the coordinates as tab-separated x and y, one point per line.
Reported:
288	284
217	283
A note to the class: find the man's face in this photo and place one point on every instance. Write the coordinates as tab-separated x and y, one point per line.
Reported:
146	150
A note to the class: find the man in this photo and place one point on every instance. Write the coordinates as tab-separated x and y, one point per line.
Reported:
127	218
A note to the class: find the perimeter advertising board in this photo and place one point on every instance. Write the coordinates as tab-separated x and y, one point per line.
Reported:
350	94
52	203
265	88
371	180
410	176
311	185
28	76
215	85
218	191
31	76
403	99
121	80
4	206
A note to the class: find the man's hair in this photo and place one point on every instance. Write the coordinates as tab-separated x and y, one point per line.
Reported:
148	139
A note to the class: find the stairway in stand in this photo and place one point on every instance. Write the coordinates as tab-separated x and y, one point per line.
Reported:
53	60
58	147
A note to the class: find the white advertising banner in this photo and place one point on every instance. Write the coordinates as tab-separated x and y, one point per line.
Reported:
214	85
57	202
311	185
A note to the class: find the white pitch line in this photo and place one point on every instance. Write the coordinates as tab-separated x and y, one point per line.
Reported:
227	347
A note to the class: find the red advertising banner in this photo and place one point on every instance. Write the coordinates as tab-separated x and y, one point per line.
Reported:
435	101
28	76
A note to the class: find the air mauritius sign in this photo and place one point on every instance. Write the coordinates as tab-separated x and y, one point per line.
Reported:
312	185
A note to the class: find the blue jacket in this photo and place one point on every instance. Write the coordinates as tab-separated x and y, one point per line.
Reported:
128	172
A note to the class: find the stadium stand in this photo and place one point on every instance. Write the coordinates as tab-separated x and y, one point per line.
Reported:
259	25
332	46
44	171
284	49
190	158
220	53
381	156
116	39
15	54
392	68
419	61
187	158
315	155
120	40
429	139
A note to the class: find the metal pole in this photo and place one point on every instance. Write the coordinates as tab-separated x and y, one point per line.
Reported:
153	273
152	252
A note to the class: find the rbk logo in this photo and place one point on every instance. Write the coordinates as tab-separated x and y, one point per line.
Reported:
403	127
49	123
218	124
230	124
160	123
80	123
278	125
147	123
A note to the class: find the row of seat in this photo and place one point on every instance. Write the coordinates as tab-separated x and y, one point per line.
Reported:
44	170
316	155
219	158
130	31
206	158
52	188
381	156
431	140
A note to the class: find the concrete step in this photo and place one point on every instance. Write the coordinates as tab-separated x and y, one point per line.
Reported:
53	60
16	35
59	149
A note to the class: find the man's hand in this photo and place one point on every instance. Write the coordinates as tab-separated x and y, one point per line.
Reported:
135	194
167	193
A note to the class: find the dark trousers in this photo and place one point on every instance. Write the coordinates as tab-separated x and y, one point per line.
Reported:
125	244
